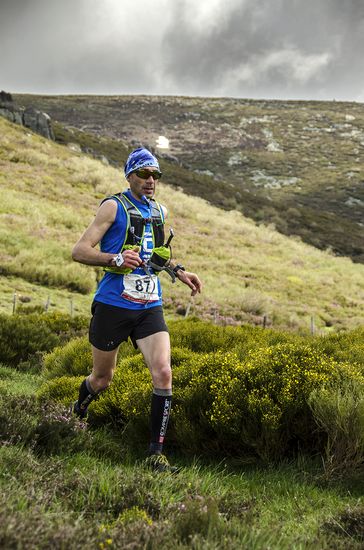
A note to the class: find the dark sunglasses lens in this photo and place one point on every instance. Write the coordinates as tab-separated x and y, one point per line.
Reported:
145	174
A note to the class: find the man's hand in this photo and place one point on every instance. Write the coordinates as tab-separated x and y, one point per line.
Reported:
132	260
191	280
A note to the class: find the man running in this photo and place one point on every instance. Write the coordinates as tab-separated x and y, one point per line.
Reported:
128	300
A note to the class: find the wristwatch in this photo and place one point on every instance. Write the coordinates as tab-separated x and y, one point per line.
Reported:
119	260
177	268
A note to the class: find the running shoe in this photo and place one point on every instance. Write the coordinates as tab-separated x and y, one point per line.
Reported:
75	409
159	463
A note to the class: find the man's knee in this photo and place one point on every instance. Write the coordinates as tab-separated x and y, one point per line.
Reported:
162	374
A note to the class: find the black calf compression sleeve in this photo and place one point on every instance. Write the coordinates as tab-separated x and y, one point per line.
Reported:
86	395
160	410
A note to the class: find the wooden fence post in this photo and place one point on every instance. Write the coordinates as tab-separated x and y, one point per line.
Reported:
188	309
14	302
312	325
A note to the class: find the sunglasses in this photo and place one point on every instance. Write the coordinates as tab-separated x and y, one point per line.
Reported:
145	174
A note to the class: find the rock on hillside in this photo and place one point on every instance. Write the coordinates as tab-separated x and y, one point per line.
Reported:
30	117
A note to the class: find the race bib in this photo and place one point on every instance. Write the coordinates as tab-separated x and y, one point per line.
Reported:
140	288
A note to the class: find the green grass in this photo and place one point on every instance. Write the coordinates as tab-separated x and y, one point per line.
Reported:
63	486
19	383
79	499
29	295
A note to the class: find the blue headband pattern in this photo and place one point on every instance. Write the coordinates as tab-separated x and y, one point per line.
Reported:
138	159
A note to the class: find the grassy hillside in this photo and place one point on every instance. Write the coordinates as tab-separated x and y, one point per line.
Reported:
50	194
295	164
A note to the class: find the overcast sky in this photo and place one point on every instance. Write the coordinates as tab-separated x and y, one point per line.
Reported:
289	49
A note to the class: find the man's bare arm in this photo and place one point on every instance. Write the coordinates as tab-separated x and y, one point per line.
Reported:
84	250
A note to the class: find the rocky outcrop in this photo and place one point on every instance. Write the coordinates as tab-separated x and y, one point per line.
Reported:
5	97
36	120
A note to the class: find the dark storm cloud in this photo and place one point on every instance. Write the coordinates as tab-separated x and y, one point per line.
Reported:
280	48
251	48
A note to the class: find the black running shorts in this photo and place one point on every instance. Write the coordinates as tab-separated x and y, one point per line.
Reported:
111	325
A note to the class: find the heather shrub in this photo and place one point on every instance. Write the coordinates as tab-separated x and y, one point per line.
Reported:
58	431
24	336
18	419
198	516
45	427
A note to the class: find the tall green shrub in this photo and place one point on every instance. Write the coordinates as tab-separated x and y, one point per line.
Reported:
344	346
75	358
206	337
263	402
22	336
72	359
339	412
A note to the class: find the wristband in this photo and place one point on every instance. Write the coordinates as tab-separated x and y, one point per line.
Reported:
177	268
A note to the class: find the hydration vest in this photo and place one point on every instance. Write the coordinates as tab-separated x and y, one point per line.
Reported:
136	223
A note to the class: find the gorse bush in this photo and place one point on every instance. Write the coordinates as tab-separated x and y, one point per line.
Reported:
63	389
262	403
125	403
203	336
127	400
344	346
75	358
248	397
223	405
23	336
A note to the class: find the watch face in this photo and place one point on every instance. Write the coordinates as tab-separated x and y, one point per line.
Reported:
119	260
